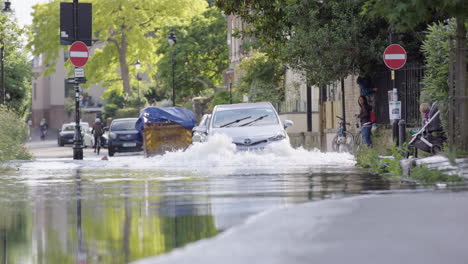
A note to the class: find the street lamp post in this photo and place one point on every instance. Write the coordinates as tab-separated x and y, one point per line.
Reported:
6	9
138	66
229	73
172	39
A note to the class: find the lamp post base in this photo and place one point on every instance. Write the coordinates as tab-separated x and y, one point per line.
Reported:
77	152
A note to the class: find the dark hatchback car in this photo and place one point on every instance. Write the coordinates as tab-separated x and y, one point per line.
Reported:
123	137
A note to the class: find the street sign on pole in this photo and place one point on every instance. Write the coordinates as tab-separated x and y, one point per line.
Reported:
394	56
79	72
79	54
81	24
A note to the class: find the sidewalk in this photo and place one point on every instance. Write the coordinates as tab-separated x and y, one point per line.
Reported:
418	228
49	148
437	162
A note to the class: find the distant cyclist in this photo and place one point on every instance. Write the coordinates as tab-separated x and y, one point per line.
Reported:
97	131
44	127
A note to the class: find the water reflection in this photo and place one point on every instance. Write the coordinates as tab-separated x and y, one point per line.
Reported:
118	216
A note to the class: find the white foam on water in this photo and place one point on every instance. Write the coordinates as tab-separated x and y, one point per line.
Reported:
217	156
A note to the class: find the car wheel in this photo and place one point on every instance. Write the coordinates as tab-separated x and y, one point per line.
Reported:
60	143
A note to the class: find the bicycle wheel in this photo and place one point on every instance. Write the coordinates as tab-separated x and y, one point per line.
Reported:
358	140
343	143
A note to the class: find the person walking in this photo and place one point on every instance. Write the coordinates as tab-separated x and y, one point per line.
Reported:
44	127
30	127
367	88
97	131
365	120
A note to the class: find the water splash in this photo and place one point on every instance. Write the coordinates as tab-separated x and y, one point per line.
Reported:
218	155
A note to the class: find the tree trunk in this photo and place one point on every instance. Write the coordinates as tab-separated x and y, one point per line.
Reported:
461	88
123	64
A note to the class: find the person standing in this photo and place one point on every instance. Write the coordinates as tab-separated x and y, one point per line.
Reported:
97	131
365	120
366	87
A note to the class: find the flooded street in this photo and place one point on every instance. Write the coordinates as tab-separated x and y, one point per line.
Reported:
131	207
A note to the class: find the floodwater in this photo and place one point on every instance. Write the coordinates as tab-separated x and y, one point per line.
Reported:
131	207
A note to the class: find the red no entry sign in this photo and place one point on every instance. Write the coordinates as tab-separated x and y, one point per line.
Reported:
78	54
394	56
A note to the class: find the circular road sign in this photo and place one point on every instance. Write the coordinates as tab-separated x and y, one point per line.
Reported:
394	56
79	54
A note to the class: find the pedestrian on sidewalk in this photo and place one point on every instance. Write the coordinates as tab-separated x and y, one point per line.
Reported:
44	127
30	127
97	131
365	120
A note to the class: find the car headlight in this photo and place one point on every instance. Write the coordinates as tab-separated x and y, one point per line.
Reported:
279	136
112	135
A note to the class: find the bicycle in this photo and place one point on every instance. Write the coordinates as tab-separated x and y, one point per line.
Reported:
358	136
344	140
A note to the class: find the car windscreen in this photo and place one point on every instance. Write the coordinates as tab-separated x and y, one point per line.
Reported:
72	127
123	125
68	128
245	117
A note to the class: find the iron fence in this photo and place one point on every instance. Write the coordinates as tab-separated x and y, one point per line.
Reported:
292	106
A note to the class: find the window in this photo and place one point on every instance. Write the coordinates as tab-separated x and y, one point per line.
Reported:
69	90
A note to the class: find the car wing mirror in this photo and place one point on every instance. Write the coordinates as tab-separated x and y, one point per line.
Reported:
287	123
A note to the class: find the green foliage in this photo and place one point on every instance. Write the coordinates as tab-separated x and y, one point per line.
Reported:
13	132
200	55
326	39
127	112
406	15
69	106
110	110
436	49
222	97
262	78
127	31
431	176
17	69
369	158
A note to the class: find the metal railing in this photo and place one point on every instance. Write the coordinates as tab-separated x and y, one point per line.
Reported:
292	106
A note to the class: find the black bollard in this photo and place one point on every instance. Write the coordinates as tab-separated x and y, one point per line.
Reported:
401	132
395	132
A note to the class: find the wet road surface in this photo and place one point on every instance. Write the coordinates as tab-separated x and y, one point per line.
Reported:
56	210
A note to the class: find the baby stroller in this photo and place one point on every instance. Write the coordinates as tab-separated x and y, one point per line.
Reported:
430	138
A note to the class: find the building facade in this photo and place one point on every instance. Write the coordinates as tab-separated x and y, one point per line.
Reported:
52	93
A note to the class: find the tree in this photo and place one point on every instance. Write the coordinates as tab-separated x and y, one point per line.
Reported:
17	70
262	79
200	55
326	39
127	31
405	15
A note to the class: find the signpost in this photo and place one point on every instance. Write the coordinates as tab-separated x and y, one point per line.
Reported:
76	29
78	54
394	57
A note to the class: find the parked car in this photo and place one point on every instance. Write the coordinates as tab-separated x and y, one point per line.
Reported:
123	137
198	132
67	133
252	126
